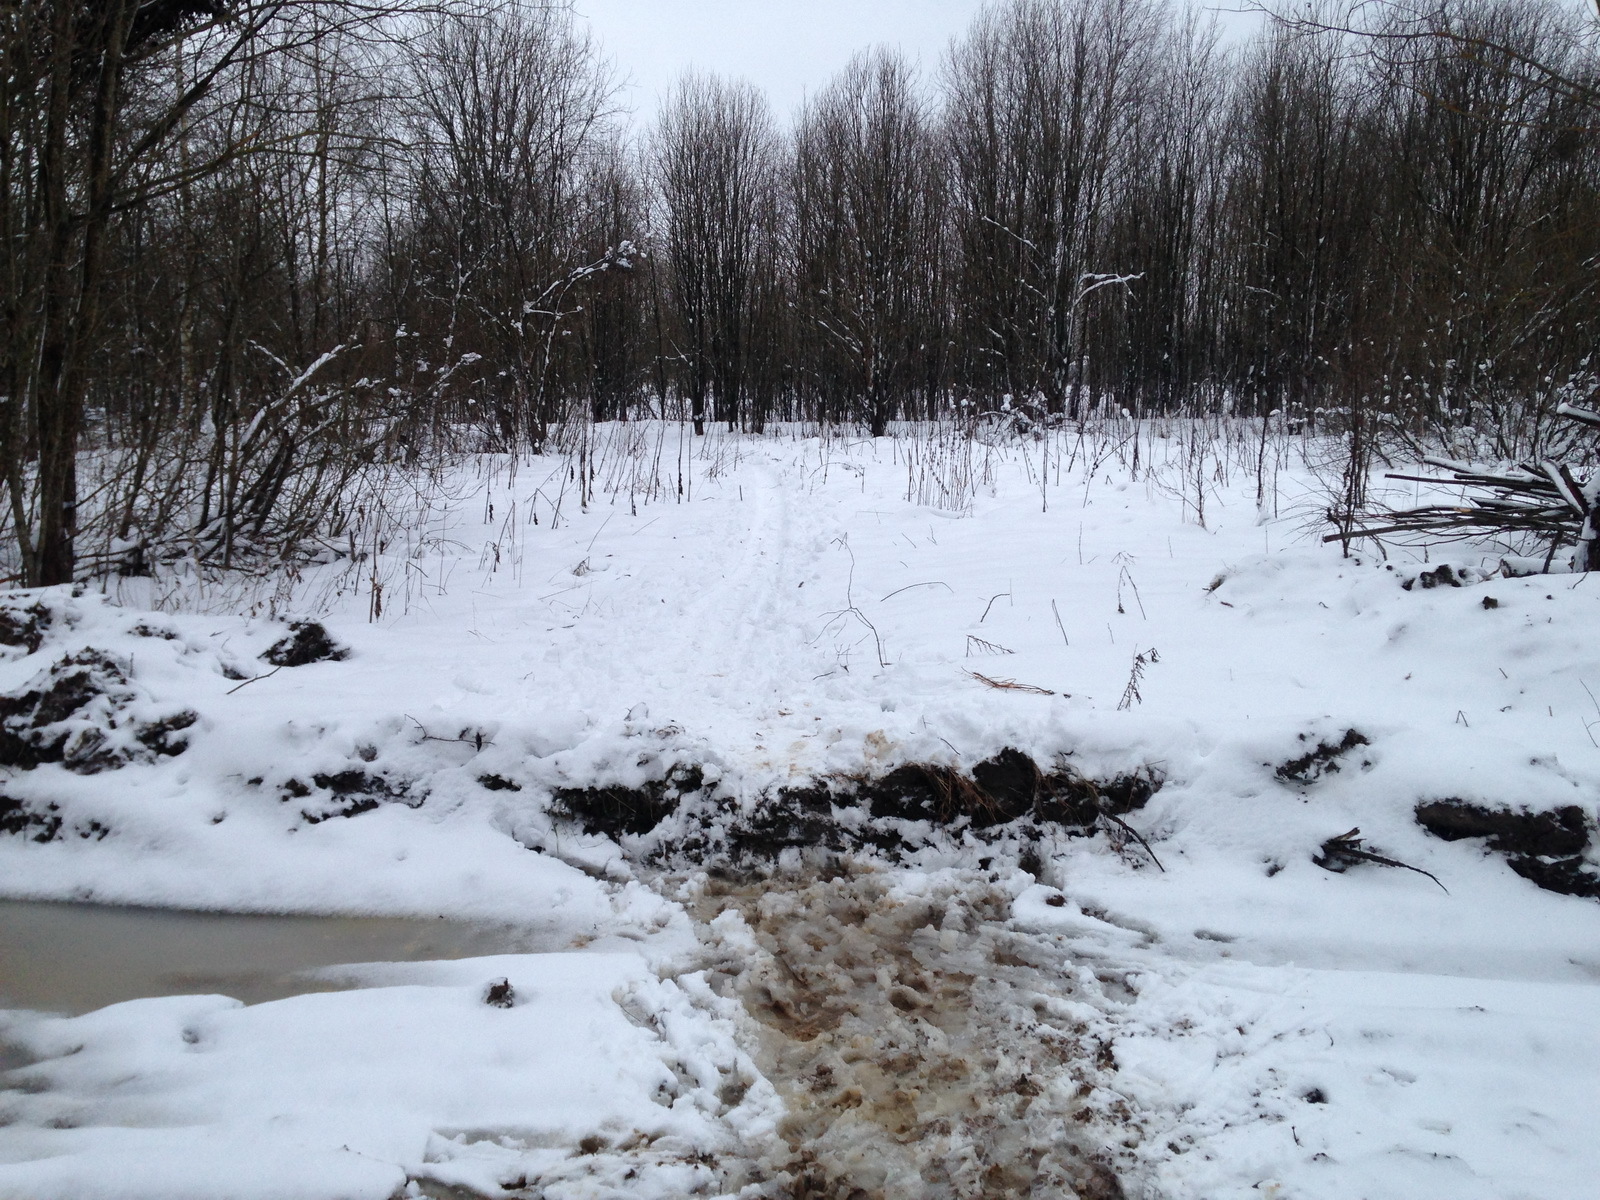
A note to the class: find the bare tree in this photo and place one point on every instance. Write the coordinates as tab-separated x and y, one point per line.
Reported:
1165	227
1037	100
94	113
868	204
715	156
511	108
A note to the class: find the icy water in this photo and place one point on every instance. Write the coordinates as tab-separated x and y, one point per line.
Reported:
73	958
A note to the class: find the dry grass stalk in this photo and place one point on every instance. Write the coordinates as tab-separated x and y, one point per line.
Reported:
1010	685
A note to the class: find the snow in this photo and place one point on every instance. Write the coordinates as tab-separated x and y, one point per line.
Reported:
354	1093
775	610
1421	1085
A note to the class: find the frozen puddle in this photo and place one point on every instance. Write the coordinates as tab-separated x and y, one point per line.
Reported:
74	958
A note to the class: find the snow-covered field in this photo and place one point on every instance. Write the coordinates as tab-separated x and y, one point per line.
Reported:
960	1012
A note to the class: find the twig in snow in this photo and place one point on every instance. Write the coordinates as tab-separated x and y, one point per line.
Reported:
850	609
477	740
1339	852
1130	694
596	536
909	586
253	679
1136	835
983	647
1127	577
990	605
1011	685
855	612
1588	726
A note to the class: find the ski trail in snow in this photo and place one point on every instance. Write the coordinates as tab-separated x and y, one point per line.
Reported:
739	612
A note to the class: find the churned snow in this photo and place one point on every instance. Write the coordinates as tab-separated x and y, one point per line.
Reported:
1236	1022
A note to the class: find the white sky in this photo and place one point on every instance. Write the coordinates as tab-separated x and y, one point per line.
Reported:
788	49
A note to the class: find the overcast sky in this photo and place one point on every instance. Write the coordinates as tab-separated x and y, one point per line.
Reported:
789	49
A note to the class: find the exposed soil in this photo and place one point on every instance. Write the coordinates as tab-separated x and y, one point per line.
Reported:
75	714
41	822
1440	576
922	1048
307	642
619	810
680	821
1322	759
1546	848
347	794
23	626
1571	876
1444	575
1562	831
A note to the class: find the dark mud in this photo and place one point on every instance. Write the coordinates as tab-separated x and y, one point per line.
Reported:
921	1047
680	821
1546	848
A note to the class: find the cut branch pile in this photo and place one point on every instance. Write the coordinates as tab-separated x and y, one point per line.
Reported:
1543	498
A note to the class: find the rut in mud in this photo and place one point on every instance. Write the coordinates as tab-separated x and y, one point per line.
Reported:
922	1048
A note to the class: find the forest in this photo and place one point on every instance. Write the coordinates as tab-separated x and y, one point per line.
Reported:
256	255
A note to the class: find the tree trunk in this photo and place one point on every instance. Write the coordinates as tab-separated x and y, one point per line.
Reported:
72	306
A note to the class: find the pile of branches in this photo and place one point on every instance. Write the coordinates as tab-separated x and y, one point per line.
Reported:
1543	499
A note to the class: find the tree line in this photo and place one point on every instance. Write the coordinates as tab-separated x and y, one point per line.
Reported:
254	253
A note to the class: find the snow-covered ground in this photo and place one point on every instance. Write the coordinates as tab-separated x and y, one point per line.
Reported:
777	611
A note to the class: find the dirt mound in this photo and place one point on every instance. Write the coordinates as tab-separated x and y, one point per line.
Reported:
1545	848
679	819
85	713
307	642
